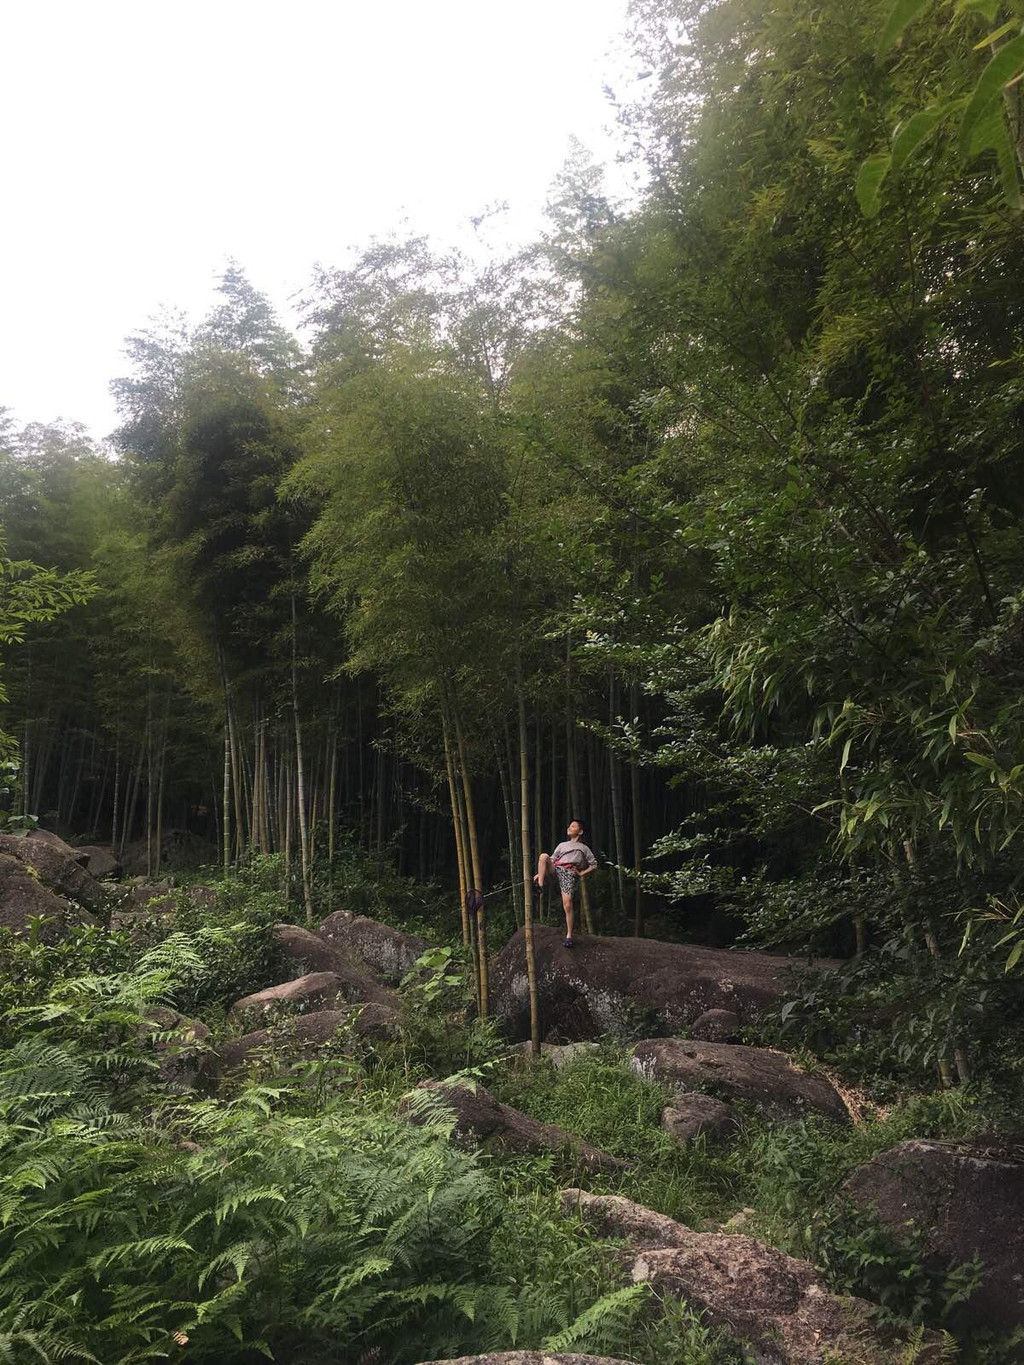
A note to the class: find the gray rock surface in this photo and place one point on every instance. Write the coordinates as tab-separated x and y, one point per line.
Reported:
314	991
23	896
777	1304
559	1055
528	1358
299	1039
692	1116
389	951
483	1121
179	1043
967	1199
101	860
308	952
767	1079
610	985
47	836
57	866
716	1026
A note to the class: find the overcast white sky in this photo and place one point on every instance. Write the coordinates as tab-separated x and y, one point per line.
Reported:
146	141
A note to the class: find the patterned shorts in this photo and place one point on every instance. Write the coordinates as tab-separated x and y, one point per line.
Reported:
566	880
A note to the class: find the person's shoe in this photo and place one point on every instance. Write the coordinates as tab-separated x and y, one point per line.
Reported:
569	943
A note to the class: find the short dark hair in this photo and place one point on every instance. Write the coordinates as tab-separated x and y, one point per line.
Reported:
577	821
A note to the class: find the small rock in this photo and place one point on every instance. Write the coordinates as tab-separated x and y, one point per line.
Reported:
716	1026
483	1121
559	1055
101	861
181	1053
739	1222
693	1116
767	1079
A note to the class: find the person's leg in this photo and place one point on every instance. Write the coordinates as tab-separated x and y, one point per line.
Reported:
544	867
567	906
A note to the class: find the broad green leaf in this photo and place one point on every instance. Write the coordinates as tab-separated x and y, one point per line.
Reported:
1014	957
1009	175
985	136
869	183
904	12
1004	67
914	131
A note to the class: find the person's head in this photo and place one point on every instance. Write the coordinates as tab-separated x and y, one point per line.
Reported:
575	830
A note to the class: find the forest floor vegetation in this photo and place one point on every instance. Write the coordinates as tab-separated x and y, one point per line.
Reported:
300	1218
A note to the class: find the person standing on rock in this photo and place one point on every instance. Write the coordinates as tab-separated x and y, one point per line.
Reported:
570	861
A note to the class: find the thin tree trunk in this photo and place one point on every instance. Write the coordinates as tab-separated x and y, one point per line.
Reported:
289	798
570	738
226	797
307	888
524	832
634	793
149	775
510	828
474	854
457	826
615	782
332	792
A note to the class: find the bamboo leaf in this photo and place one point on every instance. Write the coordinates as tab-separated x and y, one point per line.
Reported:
915	131
1000	32
869	183
1004	67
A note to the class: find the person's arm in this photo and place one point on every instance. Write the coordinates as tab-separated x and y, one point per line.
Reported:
591	863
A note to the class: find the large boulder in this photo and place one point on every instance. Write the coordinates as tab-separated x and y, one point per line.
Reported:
101	860
483	1121
304	995
612	985
777	1304
389	951
300	1039
528	1358
24	897
731	1071
47	836
58	868
964	1200
303	951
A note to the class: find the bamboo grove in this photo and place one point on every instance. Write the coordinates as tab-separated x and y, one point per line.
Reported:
698	520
